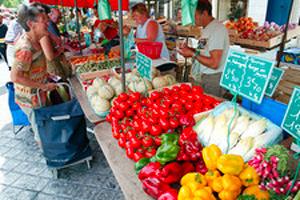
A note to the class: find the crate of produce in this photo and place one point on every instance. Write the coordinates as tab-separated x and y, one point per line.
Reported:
287	84
248	131
271	43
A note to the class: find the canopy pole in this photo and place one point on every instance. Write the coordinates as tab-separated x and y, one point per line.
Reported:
280	52
77	26
121	43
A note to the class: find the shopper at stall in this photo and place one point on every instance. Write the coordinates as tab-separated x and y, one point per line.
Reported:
54	17
214	43
3	30
148	29
14	32
29	70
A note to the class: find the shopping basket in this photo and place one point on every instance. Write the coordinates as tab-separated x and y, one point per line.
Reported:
62	130
19	118
150	49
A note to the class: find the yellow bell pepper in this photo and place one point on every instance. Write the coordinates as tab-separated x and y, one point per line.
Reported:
228	187
217	184
249	176
257	192
210	176
194	188
230	164
210	156
231	183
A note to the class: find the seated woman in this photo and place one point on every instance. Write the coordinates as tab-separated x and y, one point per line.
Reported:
148	29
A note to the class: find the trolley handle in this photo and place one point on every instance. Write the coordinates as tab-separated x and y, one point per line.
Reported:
60	84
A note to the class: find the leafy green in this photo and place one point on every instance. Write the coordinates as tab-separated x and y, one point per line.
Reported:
282	153
246	197
275	196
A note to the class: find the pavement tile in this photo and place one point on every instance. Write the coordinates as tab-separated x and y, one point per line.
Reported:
23	167
46	173
9	178
106	194
62	188
3	150
42	196
101	181
119	195
87	193
31	182
8	163
4	141
27	195
12	153
10	193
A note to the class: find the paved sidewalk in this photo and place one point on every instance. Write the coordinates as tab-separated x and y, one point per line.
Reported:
24	174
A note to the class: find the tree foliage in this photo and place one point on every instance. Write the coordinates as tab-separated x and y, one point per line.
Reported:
10	3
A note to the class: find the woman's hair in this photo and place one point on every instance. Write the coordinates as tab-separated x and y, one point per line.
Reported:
29	13
140	8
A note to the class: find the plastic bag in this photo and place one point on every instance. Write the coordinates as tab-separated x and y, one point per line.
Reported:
188	11
104	10
128	43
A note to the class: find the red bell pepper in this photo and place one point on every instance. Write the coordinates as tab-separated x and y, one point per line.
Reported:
150	170
169	195
187	167
171	173
154	187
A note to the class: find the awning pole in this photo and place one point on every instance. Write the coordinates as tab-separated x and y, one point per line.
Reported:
121	44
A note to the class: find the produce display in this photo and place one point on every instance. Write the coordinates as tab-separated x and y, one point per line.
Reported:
92	66
247	130
242	24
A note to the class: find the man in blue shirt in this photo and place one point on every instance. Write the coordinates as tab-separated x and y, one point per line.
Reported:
3	30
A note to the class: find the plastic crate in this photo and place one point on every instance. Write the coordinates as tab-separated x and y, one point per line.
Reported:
269	108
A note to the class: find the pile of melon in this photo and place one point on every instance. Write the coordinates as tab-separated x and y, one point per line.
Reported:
101	93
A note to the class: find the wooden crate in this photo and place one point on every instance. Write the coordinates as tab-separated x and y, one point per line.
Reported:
290	80
293	33
273	42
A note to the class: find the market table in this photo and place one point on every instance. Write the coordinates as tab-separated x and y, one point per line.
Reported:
122	167
84	102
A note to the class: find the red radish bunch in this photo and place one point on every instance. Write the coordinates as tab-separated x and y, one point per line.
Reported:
269	174
138	121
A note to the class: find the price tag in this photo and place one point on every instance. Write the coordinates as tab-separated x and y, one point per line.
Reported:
144	66
276	76
246	75
291	120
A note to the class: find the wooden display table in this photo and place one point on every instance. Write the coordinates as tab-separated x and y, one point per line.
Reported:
84	102
122	167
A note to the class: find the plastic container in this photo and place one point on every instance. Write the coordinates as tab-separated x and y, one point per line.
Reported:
150	49
269	108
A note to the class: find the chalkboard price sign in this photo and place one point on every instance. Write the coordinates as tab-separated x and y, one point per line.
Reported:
246	75
144	66
291	121
274	80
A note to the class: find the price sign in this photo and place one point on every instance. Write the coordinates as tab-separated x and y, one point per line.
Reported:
246	75
144	66
276	76
291	120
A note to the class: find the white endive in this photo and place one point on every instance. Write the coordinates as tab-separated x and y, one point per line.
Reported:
256	128
241	124
243	147
204	129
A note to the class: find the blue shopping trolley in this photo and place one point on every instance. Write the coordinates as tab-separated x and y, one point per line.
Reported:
62	130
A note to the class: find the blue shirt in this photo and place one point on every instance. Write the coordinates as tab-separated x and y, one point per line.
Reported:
52	28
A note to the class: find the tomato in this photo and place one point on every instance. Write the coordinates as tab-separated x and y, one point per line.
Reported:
147	141
123	106
188	105
129	112
163	113
144	102
176	89
183	101
122	142
167	91
155	106
116	134
131	133
152	120
185	87
197	89
135	96
176	97
190	97
155	113
157	140
145	126
155	130
137	156
123	96
109	118
155	95
130	152
119	114
137	125
174	123
197	97
135	142
136	106
164	123
140	134
150	152
183	93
